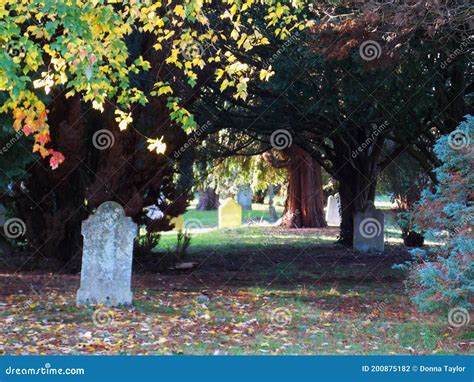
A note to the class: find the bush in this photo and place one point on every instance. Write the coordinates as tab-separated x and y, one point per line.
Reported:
445	280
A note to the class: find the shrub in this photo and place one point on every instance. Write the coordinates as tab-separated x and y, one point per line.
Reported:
445	279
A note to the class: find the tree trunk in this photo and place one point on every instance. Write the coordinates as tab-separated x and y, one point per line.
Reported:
208	200
53	203
101	164
355	190
304	203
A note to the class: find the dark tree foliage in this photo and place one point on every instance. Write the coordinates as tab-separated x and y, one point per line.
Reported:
352	113
113	165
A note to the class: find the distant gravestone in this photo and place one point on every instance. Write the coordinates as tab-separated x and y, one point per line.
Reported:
369	229
271	207
333	214
107	257
230	214
178	223
244	197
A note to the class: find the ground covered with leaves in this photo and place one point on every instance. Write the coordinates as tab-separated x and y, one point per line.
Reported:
311	301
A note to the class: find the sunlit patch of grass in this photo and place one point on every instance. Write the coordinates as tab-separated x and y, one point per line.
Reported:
246	239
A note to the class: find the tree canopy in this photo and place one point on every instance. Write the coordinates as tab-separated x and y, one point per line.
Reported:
80	47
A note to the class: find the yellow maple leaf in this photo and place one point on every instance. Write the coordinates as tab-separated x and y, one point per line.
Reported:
157	145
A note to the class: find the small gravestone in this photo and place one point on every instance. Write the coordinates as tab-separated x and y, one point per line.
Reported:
333	214
178	223
107	257
271	207
369	229
230	214
244	197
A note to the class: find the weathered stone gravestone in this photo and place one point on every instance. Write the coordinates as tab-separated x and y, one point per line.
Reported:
369	229
244	197
230	214
107	257
333	213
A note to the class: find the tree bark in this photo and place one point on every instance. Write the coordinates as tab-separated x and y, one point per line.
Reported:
117	166
53	203
304	203
355	189
208	200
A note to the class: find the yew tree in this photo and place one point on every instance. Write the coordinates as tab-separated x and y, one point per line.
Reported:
93	85
352	109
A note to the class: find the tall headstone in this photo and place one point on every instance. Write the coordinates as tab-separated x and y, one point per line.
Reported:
333	214
369	229
107	257
230	214
244	197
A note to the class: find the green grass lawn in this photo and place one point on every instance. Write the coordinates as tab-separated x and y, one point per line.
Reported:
253	235
266	291
209	219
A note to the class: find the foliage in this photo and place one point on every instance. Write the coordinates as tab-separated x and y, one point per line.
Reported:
80	47
447	214
354	113
404	180
147	257
15	155
254	170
